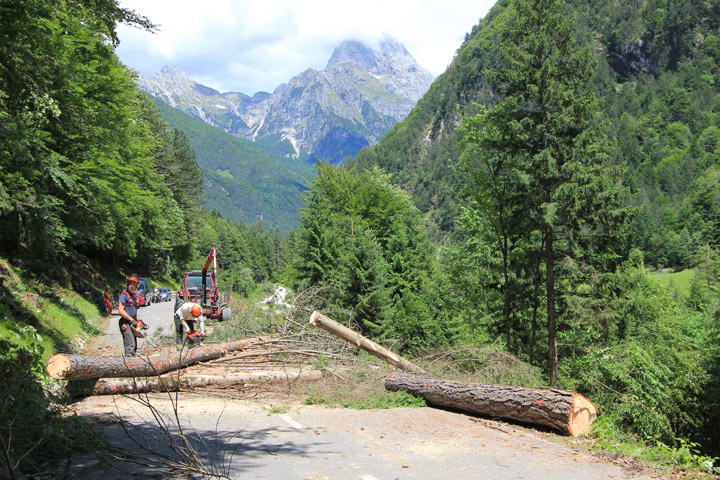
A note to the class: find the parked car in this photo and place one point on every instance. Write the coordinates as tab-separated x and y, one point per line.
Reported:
165	295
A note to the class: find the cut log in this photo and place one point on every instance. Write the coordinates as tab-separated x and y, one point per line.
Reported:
174	382
63	366
567	412
341	331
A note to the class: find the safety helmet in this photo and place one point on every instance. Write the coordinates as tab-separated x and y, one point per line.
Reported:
132	279
196	311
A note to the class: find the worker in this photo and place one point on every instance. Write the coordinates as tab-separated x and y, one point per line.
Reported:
108	301
185	318
128	309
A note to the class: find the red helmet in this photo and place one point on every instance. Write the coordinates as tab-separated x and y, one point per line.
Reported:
196	311
132	279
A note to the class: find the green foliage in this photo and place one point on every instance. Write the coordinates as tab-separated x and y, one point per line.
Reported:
536	159
246	255
364	236
388	400
642	359
81	145
657	79
31	430
243	183
59	316
684	455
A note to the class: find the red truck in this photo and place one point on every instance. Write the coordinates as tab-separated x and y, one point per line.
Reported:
201	287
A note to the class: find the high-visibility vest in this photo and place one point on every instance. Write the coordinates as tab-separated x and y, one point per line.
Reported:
132	303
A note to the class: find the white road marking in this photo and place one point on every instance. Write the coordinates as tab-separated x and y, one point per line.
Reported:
292	422
367	477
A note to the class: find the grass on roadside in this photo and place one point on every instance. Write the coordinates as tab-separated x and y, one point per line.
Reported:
62	318
609	437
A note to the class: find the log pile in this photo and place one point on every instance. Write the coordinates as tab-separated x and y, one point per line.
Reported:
567	412
234	364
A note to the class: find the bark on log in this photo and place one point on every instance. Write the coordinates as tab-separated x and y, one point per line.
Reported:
567	412
173	382
341	331
63	366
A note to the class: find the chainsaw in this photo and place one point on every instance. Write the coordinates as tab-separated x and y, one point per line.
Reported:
138	332
195	337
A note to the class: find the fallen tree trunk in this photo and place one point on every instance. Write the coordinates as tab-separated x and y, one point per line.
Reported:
567	412
341	331
171	383
63	366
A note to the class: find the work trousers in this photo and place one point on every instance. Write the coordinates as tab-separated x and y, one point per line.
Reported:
129	339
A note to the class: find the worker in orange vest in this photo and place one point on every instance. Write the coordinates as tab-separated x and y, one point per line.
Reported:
108	301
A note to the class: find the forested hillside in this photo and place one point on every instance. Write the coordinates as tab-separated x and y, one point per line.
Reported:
91	172
657	79
89	168
242	182
567	152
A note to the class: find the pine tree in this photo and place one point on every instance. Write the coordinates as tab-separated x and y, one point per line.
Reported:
541	157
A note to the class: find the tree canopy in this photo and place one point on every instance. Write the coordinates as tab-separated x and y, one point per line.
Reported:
88	165
364	237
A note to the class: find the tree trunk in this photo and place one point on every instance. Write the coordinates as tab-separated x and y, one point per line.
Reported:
567	412
341	331
63	366
551	311
173	382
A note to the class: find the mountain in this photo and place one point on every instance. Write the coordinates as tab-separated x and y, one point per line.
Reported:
658	80
242	182
330	114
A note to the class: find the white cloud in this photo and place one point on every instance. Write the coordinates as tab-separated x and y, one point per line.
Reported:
250	45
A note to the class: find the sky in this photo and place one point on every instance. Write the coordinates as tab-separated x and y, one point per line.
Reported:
250	46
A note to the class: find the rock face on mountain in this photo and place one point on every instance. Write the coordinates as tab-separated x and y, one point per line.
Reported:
330	114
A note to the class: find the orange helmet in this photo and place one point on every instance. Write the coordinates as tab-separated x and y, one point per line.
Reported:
132	279
196	311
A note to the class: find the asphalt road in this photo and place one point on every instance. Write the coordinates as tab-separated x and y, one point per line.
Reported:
251	439
276	437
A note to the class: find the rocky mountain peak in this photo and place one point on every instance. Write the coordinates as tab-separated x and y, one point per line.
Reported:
173	74
390	47
392	64
354	51
391	57
331	113
173	86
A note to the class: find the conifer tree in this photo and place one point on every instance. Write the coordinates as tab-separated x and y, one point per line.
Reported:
541	157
